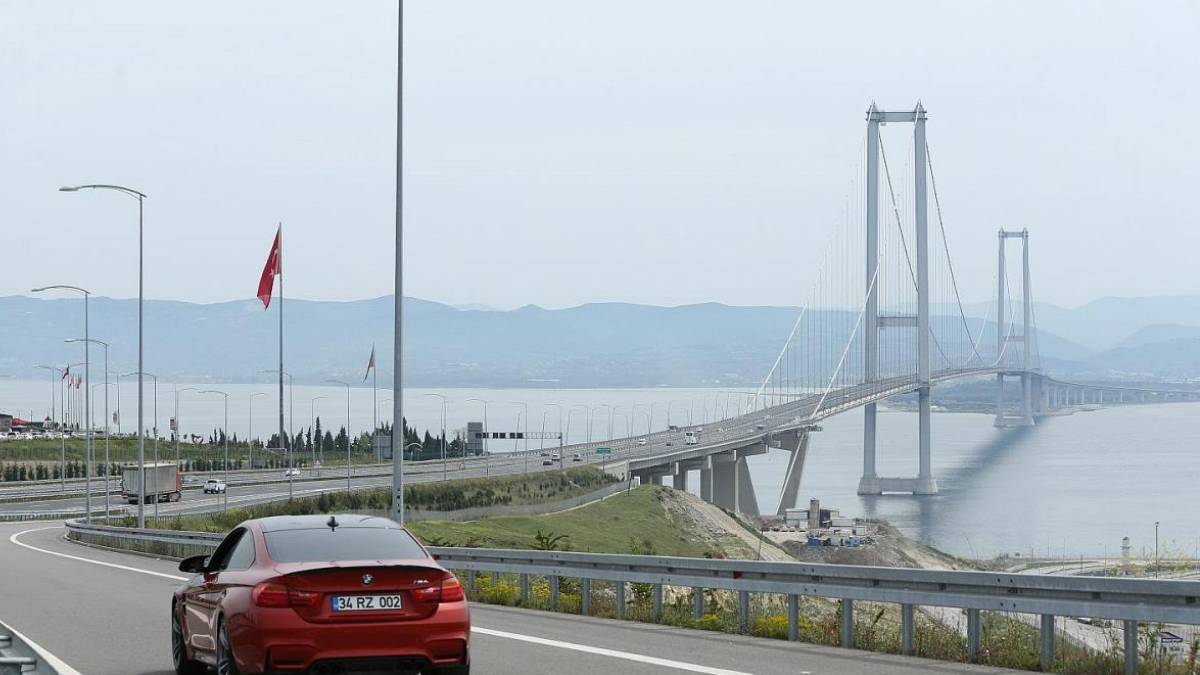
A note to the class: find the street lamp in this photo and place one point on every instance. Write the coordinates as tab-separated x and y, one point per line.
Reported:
178	430
487	460
53	387
312	407
87	393
67	417
141	448
571	411
526	433
141	297
62	429
1156	549
250	434
225	433
349	470
443	398
557	408
86	341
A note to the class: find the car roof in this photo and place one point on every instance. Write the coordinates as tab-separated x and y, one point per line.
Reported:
321	521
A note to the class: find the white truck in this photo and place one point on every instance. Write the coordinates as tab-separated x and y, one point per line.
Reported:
689	438
164	483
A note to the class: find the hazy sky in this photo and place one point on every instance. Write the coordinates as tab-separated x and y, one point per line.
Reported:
565	152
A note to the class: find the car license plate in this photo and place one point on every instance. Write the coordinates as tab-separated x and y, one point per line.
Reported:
365	603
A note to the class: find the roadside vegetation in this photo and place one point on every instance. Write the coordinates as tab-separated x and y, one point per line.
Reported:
519	489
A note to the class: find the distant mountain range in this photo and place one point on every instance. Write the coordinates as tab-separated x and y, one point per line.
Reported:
593	345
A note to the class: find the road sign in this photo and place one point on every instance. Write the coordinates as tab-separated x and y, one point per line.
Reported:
603	451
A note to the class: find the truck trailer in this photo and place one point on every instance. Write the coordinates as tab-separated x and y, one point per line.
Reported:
164	482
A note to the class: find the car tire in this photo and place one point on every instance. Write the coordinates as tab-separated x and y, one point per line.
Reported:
464	669
226	664
179	656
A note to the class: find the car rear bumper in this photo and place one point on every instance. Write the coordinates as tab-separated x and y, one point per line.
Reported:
280	641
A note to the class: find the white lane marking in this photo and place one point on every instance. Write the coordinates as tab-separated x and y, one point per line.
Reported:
14	539
612	653
55	663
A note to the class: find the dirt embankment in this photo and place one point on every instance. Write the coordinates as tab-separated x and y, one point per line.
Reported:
890	549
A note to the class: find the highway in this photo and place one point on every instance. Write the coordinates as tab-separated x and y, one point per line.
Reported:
104	612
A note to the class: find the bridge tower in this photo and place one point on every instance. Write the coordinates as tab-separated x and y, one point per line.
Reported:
871	482
1025	368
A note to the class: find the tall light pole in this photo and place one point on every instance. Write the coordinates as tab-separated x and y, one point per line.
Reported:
487	459
141	454
398	294
558	409
141	296
349	465
443	398
1156	549
526	434
53	389
86	340
178	431
66	410
571	411
54	393
87	393
312	416
225	433
250	433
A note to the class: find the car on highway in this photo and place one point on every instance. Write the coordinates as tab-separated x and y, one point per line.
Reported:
327	594
547	462
641	441
577	457
189	479
291	473
214	486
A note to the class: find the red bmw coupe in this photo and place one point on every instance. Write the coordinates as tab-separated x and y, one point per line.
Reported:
319	594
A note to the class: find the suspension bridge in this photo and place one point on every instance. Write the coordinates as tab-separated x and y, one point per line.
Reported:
883	318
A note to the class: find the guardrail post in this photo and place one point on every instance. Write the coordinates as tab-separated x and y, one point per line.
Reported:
847	623
973	634
793	617
658	595
586	599
1131	647
495	578
744	611
554	593
620	599
907	626
1047	658
697	603
471	582
524	583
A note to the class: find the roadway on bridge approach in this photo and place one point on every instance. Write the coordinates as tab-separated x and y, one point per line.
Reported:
112	619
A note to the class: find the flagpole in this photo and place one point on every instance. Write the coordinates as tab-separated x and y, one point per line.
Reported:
282	443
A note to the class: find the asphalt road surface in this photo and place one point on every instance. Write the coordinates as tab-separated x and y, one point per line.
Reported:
103	612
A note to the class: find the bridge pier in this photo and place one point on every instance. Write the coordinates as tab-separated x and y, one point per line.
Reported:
790	494
724	480
679	480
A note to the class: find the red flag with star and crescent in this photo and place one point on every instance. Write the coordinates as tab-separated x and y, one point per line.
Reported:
274	267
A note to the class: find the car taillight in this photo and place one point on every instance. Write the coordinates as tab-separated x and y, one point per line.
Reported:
268	594
449	591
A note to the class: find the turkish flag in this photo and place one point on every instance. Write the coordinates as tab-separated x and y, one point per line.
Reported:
274	266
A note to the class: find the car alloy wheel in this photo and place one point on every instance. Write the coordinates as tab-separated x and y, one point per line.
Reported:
225	663
183	665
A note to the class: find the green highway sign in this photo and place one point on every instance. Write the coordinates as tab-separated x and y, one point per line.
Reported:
603	451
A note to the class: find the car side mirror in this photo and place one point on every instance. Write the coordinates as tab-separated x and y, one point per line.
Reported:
194	565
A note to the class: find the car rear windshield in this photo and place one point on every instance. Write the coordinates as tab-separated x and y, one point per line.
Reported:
344	543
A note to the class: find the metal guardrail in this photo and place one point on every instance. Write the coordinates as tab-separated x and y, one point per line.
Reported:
1123	599
18	657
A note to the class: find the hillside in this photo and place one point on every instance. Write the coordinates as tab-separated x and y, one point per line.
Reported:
647	519
594	345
